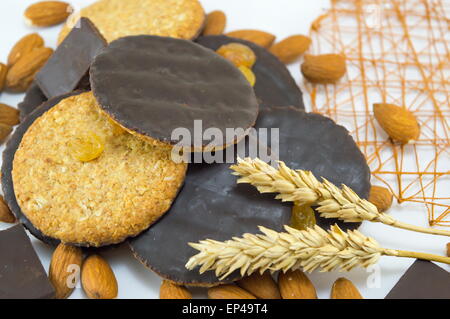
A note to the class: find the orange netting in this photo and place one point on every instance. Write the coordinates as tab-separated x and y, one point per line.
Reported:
397	52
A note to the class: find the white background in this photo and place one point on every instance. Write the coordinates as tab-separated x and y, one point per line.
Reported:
282	18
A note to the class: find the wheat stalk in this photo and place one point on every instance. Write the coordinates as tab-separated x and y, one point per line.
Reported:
307	249
304	188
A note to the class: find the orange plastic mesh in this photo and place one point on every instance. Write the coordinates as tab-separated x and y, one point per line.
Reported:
397	52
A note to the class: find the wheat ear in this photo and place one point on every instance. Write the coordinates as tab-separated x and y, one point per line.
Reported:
307	249
304	188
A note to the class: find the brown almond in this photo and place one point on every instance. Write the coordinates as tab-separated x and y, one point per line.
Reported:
21	74
448	249
5	213
262	286
229	292
344	289
169	290
324	69
47	13
296	285
66	261
290	49
9	115
5	130
216	22
261	38
24	46
98	279
400	124
381	197
3	73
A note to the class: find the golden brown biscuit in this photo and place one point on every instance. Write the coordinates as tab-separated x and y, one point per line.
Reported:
103	201
115	19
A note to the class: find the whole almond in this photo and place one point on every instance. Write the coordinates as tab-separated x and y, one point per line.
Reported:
21	74
5	213
296	285
290	49
400	124
64	269
261	38
9	115
324	69
169	290
381	197
47	13
448	249
262	286
229	292
24	46
98	279
216	22
3	73
344	289
5	130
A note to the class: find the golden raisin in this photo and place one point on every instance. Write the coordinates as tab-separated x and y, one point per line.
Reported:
249	75
302	217
87	148
238	54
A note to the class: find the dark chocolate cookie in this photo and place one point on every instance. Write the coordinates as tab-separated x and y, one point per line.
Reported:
33	98
274	83
153	85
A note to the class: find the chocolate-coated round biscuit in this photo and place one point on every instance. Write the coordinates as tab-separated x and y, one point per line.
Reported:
153	85
33	98
274	83
313	142
8	158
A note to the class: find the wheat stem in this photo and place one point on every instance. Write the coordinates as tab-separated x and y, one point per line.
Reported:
303	187
417	255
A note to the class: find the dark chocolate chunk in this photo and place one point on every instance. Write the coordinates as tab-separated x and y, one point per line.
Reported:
274	83
423	280
154	85
8	158
70	63
315	143
22	275
33	98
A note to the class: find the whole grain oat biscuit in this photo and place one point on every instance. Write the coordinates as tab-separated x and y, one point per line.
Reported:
182	19
96	203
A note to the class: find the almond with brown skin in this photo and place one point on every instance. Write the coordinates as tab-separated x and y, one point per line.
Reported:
344	289
21	74
9	115
64	269
400	124
324	69
448	249
216	22
3	73
5	130
98	279
381	197
47	13
24	46
262	286
290	49
296	285
229	292
169	290
261	38
5	213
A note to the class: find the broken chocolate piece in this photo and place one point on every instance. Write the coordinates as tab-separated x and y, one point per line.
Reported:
33	98
423	280
22	275
70	63
275	85
154	85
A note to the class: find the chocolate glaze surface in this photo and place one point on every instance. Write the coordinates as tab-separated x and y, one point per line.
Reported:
153	85
33	98
69	65
22	275
275	85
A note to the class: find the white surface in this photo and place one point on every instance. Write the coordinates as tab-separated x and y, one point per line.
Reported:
283	18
